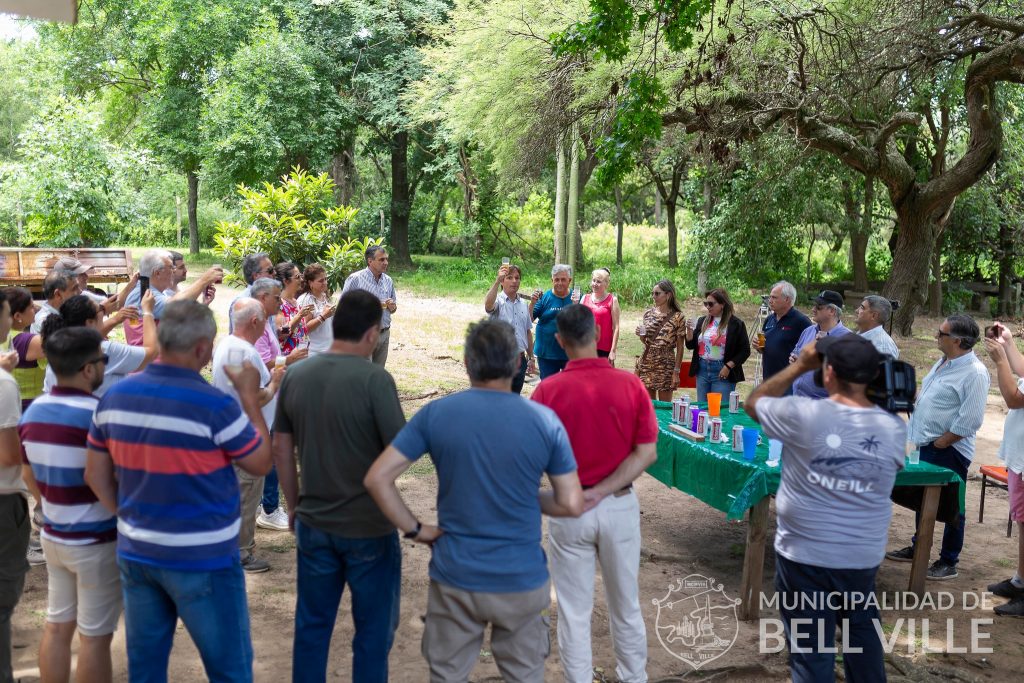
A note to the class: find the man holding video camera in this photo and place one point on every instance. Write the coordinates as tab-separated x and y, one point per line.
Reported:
841	458
950	409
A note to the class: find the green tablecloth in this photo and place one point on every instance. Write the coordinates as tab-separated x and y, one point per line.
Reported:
714	474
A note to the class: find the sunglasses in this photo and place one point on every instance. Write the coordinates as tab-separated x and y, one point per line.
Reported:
709	304
940	334
656	293
105	359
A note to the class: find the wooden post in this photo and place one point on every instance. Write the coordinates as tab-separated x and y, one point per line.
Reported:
923	544
753	561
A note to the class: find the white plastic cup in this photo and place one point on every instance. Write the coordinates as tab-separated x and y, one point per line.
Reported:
914	456
774	452
279	362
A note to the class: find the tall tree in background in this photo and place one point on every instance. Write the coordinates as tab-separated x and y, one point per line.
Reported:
155	59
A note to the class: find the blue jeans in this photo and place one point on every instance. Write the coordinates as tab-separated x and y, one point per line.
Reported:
708	382
520	377
212	606
550	366
952	536
372	568
793	581
271	492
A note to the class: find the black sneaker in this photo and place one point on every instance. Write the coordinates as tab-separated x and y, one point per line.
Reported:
253	565
942	571
901	555
1014	608
1006	589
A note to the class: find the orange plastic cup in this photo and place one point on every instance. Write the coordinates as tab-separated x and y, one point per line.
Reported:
714	404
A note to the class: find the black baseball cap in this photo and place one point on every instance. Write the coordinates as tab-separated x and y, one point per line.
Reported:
851	356
829	297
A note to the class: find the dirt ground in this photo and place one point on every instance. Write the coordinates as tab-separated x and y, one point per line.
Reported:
681	536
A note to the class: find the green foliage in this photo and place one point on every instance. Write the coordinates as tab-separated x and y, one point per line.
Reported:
71	186
294	220
609	32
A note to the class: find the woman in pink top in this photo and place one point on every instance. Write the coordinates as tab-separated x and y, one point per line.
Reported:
606	313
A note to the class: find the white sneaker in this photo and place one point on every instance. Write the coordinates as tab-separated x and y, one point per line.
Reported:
35	556
276	520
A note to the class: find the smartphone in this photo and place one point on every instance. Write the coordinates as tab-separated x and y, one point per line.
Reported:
993	331
505	260
143	286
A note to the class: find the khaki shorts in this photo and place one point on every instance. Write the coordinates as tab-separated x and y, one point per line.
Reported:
454	632
84	586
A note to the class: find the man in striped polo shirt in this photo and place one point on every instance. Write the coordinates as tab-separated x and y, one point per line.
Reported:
78	532
374	279
161	448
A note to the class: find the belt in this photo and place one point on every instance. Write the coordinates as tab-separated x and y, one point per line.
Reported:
621	492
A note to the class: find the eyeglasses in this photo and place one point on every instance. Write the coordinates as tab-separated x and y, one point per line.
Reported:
656	293
709	304
105	359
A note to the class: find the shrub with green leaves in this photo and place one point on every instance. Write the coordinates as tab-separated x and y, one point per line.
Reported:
295	220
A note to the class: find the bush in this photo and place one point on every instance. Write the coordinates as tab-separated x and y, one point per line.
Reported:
294	220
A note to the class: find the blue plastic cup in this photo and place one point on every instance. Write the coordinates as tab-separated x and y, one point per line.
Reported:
749	443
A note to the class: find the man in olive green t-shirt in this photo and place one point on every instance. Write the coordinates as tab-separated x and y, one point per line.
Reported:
340	411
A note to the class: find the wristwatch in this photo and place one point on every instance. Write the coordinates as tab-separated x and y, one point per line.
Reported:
411	535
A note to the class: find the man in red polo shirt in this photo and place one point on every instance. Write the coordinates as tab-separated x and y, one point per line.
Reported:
613	432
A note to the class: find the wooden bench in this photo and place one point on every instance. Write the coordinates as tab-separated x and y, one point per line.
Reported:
29	267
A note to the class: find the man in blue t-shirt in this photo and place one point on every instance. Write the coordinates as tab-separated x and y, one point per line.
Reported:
488	566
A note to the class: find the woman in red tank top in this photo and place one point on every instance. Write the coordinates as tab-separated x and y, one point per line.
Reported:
606	313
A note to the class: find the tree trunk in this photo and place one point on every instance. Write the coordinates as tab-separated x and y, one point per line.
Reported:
400	201
343	172
619	226
935	285
670	215
657	207
193	217
1006	253
861	236
442	195
572	226
908	280
560	200
709	211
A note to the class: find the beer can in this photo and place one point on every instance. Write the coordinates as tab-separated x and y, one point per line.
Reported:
685	397
716	429
677	406
737	439
685	409
734	402
702	422
693	418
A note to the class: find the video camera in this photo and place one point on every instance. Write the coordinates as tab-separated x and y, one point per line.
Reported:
894	387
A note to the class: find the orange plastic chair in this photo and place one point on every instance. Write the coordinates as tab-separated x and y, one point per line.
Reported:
999	476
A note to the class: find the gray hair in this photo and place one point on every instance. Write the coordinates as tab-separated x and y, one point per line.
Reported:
56	281
836	309
491	351
371	251
244	310
788	290
880	305
963	327
184	324
561	268
251	265
262	285
152	261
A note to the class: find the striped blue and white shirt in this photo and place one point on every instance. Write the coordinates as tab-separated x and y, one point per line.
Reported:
952	399
172	438
53	434
383	289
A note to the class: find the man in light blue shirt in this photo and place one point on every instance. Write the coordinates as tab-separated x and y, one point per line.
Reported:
872	315
949	410
826	314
